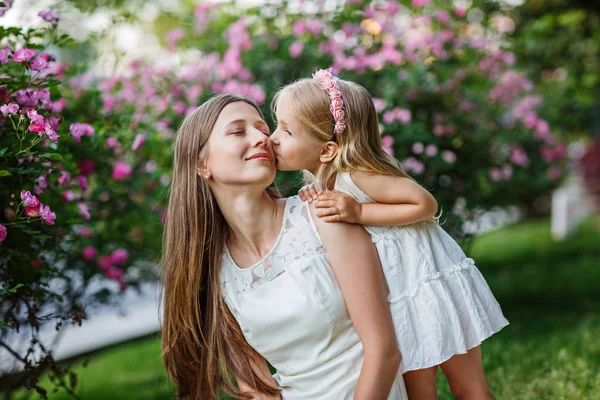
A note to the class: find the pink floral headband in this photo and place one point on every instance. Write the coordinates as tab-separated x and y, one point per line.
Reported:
328	81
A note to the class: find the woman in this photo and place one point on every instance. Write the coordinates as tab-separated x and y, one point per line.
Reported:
247	277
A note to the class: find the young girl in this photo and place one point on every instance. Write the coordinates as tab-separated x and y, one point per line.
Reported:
442	308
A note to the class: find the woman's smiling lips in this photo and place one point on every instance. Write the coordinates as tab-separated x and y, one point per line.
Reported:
260	157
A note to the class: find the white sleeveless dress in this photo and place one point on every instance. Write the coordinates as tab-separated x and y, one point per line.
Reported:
292	312
441	305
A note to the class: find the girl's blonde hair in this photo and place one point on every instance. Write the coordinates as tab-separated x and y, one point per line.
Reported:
202	344
359	146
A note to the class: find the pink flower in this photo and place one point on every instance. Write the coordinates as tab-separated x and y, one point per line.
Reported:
84	211
86	232
40	62
3	233
120	256
64	178
389	116
86	167
387	141
507	172
36	263
79	130
23	54
105	262
495	174
9	109
28	199
173	37
460	12
449	156
138	142
443	16
296	49
411	164
403	115
419	3
379	104
49	16
431	150
418	148
32	212
48	216
37	128
112	142
82	181
114	274
519	157
121	171
89	253
68	195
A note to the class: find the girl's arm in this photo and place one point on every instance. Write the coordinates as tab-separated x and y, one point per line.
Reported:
350	249
399	201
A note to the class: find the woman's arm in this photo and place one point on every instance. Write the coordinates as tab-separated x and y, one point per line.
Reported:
356	265
399	201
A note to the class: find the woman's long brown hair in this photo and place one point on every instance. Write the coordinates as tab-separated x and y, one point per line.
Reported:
202	344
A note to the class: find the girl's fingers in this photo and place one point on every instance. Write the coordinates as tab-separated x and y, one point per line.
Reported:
313	192
332	218
302	194
325	203
327	212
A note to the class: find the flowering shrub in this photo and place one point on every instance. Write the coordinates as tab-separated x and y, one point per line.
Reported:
74	192
454	109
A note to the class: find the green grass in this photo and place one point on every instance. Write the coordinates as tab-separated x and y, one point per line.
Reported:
549	291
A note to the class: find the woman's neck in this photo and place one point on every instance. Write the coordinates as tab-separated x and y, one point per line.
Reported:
254	220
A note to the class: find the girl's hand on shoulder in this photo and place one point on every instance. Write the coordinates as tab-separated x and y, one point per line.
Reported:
335	206
309	193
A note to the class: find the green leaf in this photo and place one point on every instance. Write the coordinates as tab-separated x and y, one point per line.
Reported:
4	172
52	156
2	151
14	289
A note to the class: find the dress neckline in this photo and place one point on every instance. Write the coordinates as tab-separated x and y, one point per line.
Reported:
283	221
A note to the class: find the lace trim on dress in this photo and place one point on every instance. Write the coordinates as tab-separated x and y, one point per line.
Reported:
297	226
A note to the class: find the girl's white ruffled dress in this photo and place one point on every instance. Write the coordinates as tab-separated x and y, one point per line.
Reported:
441	305
291	310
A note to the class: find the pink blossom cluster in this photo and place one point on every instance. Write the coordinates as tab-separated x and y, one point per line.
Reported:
402	115
412	165
494	63
501	174
387	142
512	86
109	263
7	5
202	14
3	233
78	130
441	126
312	26
34	209
49	16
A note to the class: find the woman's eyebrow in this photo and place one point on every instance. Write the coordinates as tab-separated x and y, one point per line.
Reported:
236	122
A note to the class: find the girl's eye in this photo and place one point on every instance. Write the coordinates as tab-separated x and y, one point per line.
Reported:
237	132
288	132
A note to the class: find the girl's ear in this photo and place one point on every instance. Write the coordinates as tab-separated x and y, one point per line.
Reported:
328	151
